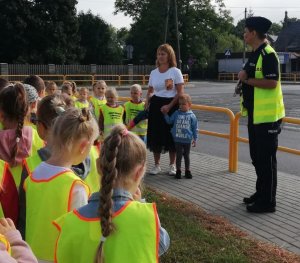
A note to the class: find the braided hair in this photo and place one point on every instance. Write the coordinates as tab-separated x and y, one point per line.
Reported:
116	165
14	105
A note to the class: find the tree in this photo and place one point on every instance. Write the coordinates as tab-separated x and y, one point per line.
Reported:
54	32
14	21
99	41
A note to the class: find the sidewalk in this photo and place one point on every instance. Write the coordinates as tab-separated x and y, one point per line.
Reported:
220	192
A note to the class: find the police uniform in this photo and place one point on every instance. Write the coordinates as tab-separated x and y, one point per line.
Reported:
265	110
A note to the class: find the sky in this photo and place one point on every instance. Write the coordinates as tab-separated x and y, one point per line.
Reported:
272	9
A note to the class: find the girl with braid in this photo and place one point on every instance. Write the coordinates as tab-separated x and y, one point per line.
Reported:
16	143
127	228
53	188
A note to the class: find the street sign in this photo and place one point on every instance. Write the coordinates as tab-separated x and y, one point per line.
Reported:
227	53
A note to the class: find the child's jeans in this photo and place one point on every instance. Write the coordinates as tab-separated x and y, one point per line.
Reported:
183	149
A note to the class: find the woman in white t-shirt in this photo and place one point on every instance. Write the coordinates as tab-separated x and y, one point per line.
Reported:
165	86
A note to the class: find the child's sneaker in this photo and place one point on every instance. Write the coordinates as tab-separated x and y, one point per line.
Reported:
188	174
172	170
178	174
155	170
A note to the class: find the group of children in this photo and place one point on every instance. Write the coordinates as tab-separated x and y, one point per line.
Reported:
48	170
54	185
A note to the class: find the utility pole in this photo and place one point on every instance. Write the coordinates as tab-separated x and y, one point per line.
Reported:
244	51
167	21
177	36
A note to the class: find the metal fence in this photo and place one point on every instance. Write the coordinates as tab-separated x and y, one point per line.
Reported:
28	69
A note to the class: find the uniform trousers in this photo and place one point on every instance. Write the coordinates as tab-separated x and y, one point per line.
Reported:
263	143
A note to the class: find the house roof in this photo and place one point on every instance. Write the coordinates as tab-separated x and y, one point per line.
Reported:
289	38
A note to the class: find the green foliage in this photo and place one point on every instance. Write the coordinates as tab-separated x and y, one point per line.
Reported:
275	29
99	43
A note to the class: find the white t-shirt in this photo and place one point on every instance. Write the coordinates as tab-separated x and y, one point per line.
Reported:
157	80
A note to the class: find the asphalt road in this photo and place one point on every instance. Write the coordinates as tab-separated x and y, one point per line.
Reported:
221	94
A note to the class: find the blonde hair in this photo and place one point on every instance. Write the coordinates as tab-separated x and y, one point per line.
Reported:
101	83
111	91
71	126
83	89
185	98
136	87
116	165
171	55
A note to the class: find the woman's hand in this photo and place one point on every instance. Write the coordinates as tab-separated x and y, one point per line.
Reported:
6	225
165	109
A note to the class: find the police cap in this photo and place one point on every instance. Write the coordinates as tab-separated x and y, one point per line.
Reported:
258	23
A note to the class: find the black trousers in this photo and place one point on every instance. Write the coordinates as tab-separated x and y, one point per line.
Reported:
183	149
263	143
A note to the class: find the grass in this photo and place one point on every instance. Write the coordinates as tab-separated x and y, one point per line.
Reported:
197	236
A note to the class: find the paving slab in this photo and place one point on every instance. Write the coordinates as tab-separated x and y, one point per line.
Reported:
219	192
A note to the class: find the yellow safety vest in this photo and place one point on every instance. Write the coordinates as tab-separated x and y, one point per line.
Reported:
93	178
3	168
47	200
136	237
268	103
4	241
31	162
112	116
132	109
80	105
97	105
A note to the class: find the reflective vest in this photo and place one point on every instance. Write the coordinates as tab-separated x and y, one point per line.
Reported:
132	109
136	237
3	168
80	105
4	241
97	103
268	103
47	200
93	178
31	162
112	116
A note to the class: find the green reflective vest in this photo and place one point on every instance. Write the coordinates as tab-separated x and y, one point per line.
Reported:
80	105
93	178
47	200
97	103
6	244
3	168
112	116
132	109
135	240
268	103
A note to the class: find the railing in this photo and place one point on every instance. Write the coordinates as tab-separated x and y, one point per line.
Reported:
91	79
233	76
238	139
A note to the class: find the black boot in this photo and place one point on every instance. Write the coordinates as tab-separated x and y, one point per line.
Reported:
259	207
178	174
188	174
251	199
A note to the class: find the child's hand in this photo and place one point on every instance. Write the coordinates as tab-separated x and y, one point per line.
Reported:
193	143
137	196
6	225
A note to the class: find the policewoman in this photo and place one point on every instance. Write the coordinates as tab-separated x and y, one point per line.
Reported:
262	102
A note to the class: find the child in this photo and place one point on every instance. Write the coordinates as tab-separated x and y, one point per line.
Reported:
16	142
129	228
133	108
12	248
99	89
38	83
32	99
184	132
82	101
51	88
111	113
53	188
74	90
67	88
